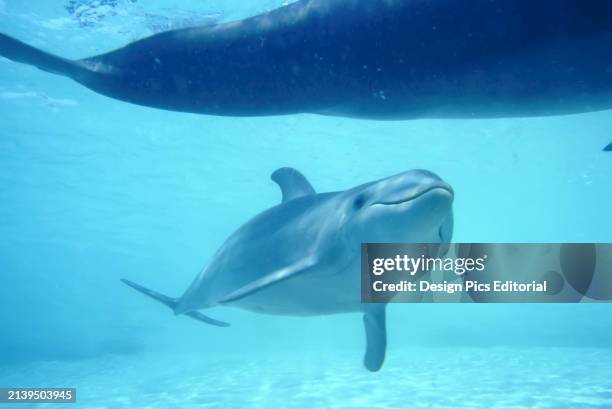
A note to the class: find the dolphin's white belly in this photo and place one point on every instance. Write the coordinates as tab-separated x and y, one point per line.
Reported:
314	293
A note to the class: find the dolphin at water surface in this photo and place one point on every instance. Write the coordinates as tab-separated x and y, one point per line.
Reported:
378	59
302	257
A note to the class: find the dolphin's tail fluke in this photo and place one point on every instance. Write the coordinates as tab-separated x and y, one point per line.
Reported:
608	148
172	303
20	52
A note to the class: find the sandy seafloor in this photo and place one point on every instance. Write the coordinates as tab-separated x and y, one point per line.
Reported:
441	378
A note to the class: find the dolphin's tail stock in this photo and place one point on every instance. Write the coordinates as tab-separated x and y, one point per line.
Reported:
20	52
172	302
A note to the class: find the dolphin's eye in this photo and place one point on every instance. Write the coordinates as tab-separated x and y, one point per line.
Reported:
359	202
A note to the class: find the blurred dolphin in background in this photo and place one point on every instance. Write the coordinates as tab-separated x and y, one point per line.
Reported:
376	59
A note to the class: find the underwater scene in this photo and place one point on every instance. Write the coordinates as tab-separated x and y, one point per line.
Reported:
107	173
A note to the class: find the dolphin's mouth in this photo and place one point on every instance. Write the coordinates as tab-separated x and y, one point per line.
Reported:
441	186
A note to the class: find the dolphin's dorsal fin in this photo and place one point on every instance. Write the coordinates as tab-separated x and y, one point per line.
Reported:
270	279
374	321
292	183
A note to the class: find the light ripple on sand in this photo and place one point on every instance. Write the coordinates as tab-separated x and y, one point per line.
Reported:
412	378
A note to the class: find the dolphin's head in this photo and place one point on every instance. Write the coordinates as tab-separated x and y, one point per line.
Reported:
412	207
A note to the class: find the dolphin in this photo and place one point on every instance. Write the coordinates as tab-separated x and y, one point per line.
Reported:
302	257
375	59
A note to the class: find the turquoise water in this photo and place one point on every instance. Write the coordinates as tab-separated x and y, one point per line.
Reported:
93	189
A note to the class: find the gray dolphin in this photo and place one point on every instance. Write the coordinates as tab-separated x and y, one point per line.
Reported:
302	257
381	59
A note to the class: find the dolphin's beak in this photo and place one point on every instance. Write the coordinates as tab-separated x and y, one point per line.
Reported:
418	193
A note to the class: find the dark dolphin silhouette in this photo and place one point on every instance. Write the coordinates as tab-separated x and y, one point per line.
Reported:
380	59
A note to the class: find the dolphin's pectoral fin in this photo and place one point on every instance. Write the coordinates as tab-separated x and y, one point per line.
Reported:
270	279
196	315
172	302
376	336
292	183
